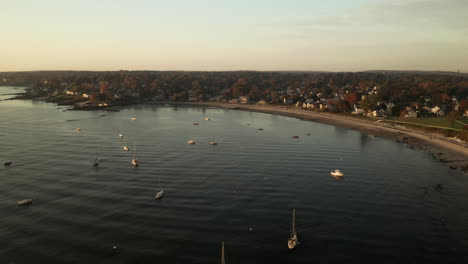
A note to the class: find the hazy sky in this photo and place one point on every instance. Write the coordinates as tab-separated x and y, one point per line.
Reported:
332	35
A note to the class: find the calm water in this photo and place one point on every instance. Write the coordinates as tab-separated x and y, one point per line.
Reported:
242	191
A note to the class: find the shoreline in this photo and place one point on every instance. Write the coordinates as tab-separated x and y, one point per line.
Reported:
443	149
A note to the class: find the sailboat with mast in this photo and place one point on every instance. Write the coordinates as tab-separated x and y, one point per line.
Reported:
293	242
161	192
222	253
134	159
96	162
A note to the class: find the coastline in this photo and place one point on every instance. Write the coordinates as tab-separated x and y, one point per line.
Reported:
443	149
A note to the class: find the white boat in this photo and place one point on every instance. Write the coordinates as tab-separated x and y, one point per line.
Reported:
24	202
133	118
125	148
134	160
223	261
159	195
213	143
161	192
190	141
337	173
292	242
121	135
207	118
78	129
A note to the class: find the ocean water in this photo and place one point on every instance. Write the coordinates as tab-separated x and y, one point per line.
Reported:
242	191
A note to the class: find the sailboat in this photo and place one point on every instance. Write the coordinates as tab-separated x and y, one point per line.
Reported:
96	162
213	142
292	242
161	192
134	160
125	147
222	253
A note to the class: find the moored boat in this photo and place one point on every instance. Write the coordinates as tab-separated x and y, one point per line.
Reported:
190	141
24	202
337	173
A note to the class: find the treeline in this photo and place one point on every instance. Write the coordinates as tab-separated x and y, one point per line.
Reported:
400	88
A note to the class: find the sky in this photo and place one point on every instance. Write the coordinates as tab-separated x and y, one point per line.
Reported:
221	35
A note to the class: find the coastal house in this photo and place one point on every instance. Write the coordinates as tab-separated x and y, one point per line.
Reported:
243	99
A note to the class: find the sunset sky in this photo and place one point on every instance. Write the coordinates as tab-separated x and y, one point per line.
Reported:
218	35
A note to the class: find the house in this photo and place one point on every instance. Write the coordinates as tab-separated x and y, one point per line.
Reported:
438	111
243	99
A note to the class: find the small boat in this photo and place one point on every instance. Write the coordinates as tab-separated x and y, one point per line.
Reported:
337	173
293	242
260	129
223	261
213	143
308	134
134	160
121	135
133	118
195	123
125	148
295	137
159	195
7	163
190	141
24	202
78	129
96	162
207	118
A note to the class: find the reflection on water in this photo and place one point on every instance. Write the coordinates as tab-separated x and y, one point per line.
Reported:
385	210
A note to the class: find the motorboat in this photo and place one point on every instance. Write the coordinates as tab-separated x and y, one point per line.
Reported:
190	141
195	123
78	129
207	118
213	143
24	202
121	135
295	137
125	148
133	118
7	163
135	162
337	173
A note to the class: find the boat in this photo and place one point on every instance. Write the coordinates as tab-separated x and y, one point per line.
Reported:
24	202
133	118
195	123
121	135
223	261
96	162
293	242
295	137
161	192
159	195
207	118
213	143
78	129
7	163
260	129
190	141
125	148
134	159
337	173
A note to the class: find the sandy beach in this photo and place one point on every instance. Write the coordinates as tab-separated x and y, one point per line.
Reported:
443	149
